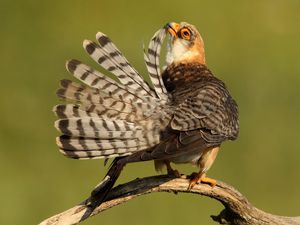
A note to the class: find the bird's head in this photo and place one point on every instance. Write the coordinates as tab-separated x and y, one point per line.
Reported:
185	45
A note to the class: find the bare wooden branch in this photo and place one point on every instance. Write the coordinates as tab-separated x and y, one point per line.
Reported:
238	210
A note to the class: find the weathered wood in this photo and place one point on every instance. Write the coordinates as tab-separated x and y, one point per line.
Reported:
238	210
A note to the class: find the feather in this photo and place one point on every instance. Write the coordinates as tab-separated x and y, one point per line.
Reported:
90	154
107	61
113	53
106	118
152	63
97	80
89	124
87	144
103	105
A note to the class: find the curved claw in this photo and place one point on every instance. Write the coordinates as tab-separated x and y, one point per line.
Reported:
197	178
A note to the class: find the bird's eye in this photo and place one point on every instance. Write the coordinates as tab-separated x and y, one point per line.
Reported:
185	34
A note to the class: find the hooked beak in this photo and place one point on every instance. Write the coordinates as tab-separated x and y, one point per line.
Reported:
172	28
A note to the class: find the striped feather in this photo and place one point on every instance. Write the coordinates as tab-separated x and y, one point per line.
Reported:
122	71
95	79
92	101
86	96
152	63
106	118
86	144
91	154
127	143
119	60
81	125
79	111
71	110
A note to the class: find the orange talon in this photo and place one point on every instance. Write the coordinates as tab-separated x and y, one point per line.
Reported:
197	178
210	181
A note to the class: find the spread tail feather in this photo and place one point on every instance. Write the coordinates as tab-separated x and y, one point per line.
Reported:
152	63
111	59
96	80
106	118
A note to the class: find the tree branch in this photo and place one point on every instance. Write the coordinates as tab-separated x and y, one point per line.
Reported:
238	210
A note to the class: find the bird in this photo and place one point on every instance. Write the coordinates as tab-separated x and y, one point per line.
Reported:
182	116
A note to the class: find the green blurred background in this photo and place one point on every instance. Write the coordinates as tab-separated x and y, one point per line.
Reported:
252	45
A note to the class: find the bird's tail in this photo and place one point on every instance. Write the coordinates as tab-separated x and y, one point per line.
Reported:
105	118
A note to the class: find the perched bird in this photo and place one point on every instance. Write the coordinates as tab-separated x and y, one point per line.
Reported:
182	118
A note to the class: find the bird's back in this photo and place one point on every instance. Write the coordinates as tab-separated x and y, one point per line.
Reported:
201	101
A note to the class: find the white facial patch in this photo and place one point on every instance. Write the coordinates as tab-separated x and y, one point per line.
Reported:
169	56
179	51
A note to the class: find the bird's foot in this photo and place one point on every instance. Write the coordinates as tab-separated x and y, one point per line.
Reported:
175	173
197	178
171	171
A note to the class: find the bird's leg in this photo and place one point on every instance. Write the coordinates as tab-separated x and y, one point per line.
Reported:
170	170
197	178
205	162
